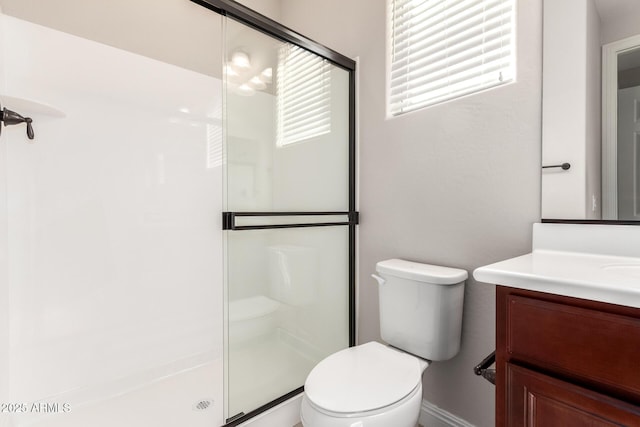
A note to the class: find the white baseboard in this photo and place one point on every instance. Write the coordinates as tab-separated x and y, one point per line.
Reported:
432	416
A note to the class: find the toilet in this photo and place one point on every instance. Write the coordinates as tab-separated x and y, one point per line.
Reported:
376	385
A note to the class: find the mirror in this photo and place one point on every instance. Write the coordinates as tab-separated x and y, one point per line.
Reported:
591	110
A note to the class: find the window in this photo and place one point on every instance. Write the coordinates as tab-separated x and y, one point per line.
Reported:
304	95
445	49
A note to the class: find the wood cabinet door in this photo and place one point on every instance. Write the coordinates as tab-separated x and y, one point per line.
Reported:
534	399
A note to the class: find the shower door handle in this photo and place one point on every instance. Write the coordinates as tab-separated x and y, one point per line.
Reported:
229	220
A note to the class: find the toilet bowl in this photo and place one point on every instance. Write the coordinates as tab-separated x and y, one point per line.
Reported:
374	385
370	385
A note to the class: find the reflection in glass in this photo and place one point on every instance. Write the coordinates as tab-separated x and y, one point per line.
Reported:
286	150
621	95
287	310
304	95
287	138
628	140
590	71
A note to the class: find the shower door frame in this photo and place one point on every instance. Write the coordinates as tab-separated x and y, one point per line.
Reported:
274	29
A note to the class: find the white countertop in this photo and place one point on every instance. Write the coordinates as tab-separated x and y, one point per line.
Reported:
594	262
606	278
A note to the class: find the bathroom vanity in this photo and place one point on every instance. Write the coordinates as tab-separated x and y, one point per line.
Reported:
568	328
565	361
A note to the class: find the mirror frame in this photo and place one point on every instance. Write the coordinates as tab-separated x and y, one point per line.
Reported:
588	221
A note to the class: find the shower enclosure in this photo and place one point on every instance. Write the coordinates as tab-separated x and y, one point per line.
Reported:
178	240
289	200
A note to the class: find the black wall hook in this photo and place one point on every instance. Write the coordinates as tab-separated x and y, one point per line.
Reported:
12	118
564	166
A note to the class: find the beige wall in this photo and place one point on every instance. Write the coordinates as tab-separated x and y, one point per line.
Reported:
178	32
457	184
619	19
571	110
593	115
269	8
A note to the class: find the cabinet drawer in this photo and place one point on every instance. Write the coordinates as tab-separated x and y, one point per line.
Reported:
587	345
534	399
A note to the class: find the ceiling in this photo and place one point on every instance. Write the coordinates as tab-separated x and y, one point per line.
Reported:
612	13
612	10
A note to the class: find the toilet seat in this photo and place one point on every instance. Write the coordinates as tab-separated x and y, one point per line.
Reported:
363	379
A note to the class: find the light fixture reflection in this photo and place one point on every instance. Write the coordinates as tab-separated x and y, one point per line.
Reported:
245	90
267	75
240	60
257	83
229	71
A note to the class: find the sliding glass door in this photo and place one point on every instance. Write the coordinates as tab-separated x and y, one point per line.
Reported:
290	215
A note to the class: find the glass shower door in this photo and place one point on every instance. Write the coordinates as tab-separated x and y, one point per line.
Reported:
289	228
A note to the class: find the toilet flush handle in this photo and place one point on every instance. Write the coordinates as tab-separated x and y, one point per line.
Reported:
380	280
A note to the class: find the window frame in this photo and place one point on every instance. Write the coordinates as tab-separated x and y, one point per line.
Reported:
510	78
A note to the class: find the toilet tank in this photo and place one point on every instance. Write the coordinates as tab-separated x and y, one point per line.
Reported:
293	274
421	307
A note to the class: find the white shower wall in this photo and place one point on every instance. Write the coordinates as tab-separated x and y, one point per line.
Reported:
4	279
115	245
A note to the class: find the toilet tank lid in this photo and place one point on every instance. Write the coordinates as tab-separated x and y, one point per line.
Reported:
427	273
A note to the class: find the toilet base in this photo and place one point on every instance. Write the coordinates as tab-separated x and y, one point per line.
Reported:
404	413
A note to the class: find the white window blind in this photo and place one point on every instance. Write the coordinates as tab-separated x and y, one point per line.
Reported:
304	95
444	49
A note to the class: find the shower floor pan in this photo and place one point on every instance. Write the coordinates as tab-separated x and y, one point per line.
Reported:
261	370
182	399
265	369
